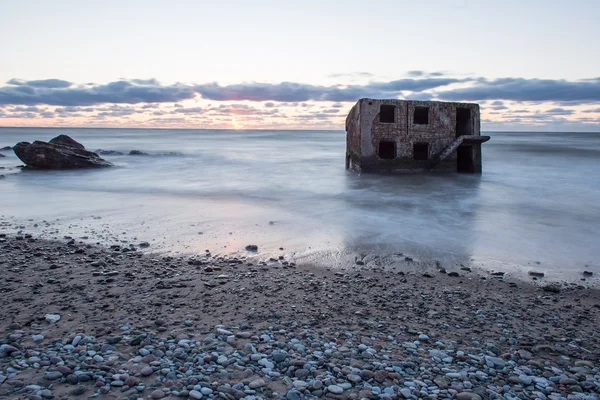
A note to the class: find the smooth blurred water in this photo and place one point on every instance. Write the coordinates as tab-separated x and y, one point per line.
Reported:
537	200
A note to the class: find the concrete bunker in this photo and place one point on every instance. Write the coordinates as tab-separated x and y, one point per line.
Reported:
405	136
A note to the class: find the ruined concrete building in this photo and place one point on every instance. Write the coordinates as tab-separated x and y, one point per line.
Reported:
401	136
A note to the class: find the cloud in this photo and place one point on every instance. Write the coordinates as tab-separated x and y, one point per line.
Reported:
116	111
240	109
191	110
124	92
413	85
24	98
25	109
351	75
521	89
300	92
318	116
559	111
44	83
420	73
520	111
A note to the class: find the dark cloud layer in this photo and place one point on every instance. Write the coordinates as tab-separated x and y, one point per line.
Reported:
126	92
44	83
297	92
421	85
520	89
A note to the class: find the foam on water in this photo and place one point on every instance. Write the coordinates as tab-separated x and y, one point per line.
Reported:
536	202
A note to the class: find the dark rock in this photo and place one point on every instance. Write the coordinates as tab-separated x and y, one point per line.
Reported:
454	274
2	155
588	273
137	340
108	152
53	375
252	247
536	274
42	155
6	148
552	288
67	141
137	153
79	390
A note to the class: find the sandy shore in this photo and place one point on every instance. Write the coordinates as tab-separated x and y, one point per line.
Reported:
140	325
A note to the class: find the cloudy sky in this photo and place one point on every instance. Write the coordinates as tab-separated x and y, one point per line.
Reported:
532	65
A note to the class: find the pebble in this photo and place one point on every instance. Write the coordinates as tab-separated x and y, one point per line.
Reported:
79	390
496	361
467	396
194	394
256	384
53	375
335	389
158	394
52	318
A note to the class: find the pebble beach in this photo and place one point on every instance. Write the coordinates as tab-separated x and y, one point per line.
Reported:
119	322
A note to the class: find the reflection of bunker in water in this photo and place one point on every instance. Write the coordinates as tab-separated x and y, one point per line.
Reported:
401	135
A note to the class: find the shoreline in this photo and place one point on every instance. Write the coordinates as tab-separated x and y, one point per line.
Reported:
111	296
101	231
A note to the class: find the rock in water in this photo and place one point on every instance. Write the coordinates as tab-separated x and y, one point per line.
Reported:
2	155
108	152
62	152
137	153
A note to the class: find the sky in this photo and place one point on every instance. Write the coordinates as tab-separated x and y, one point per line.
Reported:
266	64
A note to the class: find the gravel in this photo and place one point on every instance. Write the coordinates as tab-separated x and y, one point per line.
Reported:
282	331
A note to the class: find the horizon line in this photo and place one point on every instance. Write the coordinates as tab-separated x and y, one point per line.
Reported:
254	129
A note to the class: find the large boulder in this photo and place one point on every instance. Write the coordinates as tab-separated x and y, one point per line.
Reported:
62	152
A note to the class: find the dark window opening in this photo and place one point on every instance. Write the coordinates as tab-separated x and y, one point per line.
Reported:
421	116
421	151
464	162
463	122
387	150
386	114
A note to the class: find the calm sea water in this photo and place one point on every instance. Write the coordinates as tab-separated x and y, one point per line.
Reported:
536	205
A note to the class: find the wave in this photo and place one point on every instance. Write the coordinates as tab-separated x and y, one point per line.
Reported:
103	152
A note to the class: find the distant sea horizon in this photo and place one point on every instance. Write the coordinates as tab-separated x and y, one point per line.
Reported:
268	129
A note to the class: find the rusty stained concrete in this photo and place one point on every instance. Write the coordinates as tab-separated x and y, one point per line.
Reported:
366	131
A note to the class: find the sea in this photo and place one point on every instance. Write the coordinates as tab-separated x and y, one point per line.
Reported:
536	206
